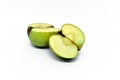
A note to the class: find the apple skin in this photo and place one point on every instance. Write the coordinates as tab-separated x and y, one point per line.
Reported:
40	39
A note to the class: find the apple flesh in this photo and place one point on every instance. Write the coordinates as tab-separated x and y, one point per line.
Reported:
39	34
63	47
74	34
38	25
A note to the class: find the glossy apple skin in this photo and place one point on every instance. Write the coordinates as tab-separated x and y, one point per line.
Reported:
40	39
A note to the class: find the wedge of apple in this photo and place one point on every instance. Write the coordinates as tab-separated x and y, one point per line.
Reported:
63	47
74	34
39	33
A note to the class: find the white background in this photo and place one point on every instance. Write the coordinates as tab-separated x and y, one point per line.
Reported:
99	59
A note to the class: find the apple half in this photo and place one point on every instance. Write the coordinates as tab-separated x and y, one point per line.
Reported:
74	34
63	47
39	33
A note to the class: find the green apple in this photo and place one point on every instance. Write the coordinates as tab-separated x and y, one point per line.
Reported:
39	33
74	34
63	47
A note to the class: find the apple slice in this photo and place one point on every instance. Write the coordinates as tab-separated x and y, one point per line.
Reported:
63	47
74	33
39	34
38	25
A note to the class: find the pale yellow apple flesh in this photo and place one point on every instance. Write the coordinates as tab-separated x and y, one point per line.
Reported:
74	33
38	25
63	47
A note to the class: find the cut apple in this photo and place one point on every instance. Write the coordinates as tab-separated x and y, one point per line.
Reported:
63	47
40	33
74	33
38	25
